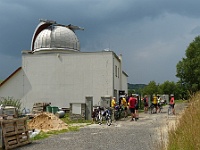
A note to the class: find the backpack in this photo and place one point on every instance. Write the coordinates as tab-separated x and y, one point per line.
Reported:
145	100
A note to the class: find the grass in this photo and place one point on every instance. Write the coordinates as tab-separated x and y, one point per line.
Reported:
43	135
186	134
67	120
180	101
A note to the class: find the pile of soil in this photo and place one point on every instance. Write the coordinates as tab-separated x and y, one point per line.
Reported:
46	122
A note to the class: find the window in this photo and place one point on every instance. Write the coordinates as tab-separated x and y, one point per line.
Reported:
115	70
118	72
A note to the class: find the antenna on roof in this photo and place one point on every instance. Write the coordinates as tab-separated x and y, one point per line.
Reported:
70	26
48	21
75	27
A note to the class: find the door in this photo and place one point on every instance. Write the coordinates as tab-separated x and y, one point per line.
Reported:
89	108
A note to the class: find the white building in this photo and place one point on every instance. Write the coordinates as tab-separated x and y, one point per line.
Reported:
55	71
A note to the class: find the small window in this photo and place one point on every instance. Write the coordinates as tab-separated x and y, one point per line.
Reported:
116	71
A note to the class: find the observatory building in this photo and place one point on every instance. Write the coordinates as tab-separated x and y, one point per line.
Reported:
56	71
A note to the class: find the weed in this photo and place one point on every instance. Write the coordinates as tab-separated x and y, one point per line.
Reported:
186	133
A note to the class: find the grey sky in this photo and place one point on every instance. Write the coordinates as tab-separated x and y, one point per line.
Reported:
152	35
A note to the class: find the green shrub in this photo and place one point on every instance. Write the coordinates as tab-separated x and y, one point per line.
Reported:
10	101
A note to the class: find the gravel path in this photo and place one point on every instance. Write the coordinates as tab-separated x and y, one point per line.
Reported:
121	135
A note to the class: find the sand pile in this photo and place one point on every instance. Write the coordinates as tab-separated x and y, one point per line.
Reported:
46	122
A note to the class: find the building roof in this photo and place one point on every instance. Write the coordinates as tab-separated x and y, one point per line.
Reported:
50	35
18	69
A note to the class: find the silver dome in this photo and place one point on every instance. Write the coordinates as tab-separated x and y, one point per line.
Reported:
55	37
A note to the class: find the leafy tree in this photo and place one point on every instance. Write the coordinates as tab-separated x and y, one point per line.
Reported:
131	91
167	88
150	89
188	69
181	91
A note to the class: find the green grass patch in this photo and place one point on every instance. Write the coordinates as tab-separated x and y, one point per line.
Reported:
181	101
67	120
43	135
74	128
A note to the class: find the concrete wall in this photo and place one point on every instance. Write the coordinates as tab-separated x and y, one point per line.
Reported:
62	78
14	86
125	83
77	115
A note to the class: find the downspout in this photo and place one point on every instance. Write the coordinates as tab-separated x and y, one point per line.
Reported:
120	75
113	74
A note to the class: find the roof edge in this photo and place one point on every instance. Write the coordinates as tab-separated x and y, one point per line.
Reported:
4	81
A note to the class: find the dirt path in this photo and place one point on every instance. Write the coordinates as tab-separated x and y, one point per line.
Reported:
124	134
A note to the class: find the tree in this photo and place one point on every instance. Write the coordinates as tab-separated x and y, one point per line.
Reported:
188	69
168	88
131	91
151	88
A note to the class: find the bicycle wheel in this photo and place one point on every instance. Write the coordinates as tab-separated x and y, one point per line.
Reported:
99	119
116	115
109	121
160	109
152	109
169	111
149	110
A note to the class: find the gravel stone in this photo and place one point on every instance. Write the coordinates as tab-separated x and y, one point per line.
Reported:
143	134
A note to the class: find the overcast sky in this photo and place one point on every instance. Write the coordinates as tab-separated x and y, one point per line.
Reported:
151	35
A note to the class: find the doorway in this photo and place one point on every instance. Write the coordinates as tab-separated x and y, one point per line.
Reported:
89	108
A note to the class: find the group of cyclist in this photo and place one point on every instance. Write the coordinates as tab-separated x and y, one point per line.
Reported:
157	103
131	102
126	103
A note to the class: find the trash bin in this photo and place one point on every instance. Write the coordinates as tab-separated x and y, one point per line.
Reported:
49	109
54	110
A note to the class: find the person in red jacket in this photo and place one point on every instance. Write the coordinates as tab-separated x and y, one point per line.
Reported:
132	103
172	103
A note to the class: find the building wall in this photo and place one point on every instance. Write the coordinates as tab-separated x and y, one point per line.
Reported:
116	77
125	83
68	78
62	78
13	87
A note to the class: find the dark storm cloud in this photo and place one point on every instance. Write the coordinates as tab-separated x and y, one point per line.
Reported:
135	28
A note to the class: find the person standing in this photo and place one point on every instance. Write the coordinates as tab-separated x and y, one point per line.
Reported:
172	103
132	103
155	102
159	103
137	108
124	105
113	104
145	100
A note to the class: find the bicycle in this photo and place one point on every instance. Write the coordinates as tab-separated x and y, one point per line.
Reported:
170	110
118	112
98	117
160	107
107	114
152	109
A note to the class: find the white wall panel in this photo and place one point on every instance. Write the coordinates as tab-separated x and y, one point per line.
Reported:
67	78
